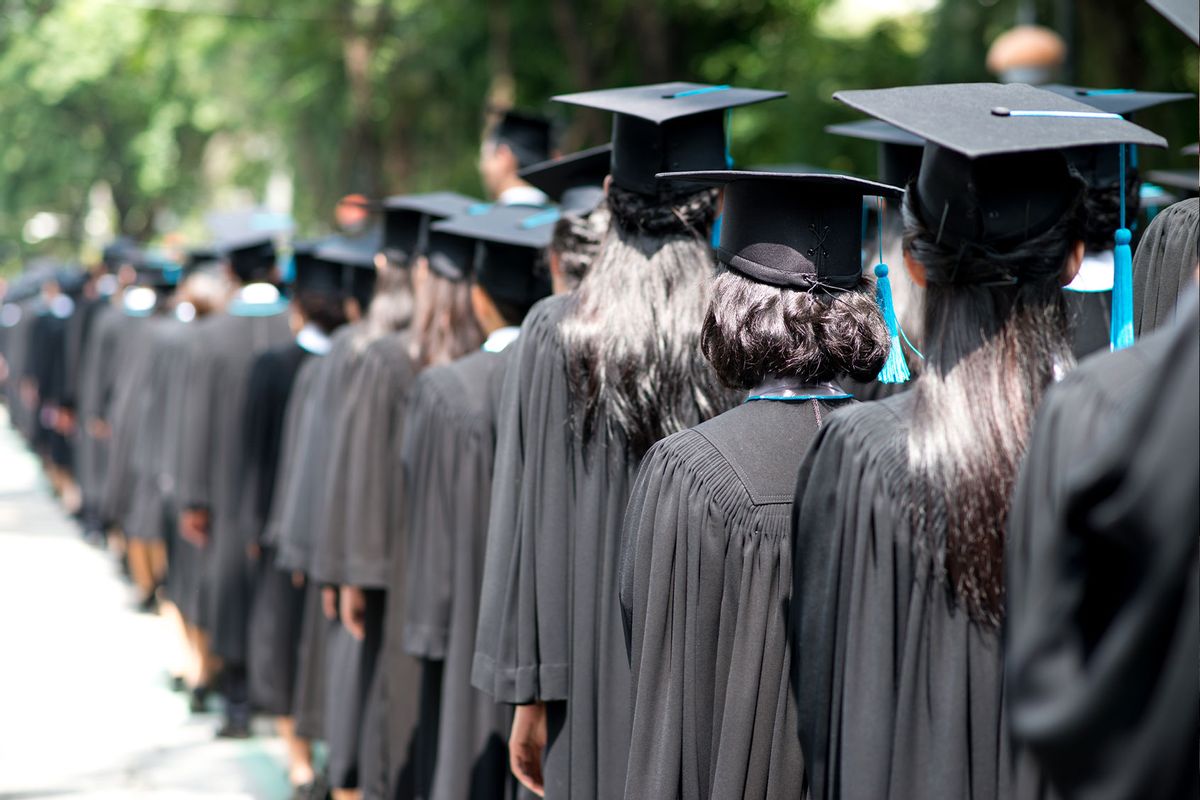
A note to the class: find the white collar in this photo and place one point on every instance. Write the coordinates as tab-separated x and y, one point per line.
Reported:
1095	273
313	339
522	196
501	338
258	294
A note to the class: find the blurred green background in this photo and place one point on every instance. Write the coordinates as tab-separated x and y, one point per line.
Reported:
136	116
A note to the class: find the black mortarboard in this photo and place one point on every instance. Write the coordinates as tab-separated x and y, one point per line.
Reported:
1191	150
527	135
199	257
1186	180
356	256
71	280
991	173
899	155
311	273
798	231
252	258
406	220
120	251
575	181
1116	101
1183	14
510	242
666	127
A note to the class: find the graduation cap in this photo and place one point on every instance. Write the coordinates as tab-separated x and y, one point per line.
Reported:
800	231
311	273
506	243
200	257
666	127
1117	101
527	135
899	152
406	220
156	271
355	257
1183	14
576	181
990	174
251	258
119	252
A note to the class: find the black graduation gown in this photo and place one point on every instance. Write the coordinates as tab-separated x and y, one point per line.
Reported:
131	402
364	512
900	693
277	616
213	468
1103	578
1090	316
102	365
706	588
550	617
447	456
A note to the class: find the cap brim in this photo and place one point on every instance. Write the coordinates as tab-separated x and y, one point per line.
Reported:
818	180
968	118
511	225
1116	101
434	204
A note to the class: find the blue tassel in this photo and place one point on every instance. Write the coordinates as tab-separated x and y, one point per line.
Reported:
1121	334
895	369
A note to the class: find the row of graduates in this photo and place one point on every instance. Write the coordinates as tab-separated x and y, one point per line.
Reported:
654	521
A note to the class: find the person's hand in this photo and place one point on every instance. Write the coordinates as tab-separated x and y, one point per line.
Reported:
65	422
193	526
99	429
354	611
253	551
329	602
527	744
298	579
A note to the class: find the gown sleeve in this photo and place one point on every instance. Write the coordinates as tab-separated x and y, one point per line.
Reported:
195	445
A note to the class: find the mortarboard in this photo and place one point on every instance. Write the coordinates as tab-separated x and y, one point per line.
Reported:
356	257
800	231
510	241
406	220
311	273
527	135
990	173
200	257
1183	14
119	252
156	271
899	155
251	258
666	127
1186	180
575	181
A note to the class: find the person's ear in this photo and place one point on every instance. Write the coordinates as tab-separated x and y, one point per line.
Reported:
916	270
1074	260
607	184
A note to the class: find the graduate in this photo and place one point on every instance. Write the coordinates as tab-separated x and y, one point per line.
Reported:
211	463
597	377
706	573
513	141
1098	611
448	456
318	308
1113	201
901	505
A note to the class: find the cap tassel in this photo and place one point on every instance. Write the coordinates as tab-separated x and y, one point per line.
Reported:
1121	332
895	369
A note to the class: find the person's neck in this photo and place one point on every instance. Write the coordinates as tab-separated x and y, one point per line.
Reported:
509	182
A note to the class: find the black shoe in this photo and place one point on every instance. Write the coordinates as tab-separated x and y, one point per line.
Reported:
198	704
148	604
234	730
178	684
315	789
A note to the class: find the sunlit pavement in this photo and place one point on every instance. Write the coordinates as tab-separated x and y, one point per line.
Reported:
85	706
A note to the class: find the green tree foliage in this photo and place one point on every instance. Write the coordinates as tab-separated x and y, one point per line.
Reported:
182	105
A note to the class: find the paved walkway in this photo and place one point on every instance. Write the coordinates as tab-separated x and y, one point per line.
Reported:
85	707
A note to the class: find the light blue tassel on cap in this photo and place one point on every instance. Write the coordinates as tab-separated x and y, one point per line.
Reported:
1121	332
895	369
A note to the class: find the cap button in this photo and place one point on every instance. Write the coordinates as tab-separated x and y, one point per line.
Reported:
1001	111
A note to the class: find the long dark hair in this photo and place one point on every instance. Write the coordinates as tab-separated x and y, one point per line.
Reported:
444	326
391	307
1103	204
632	331
577	240
753	330
991	350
